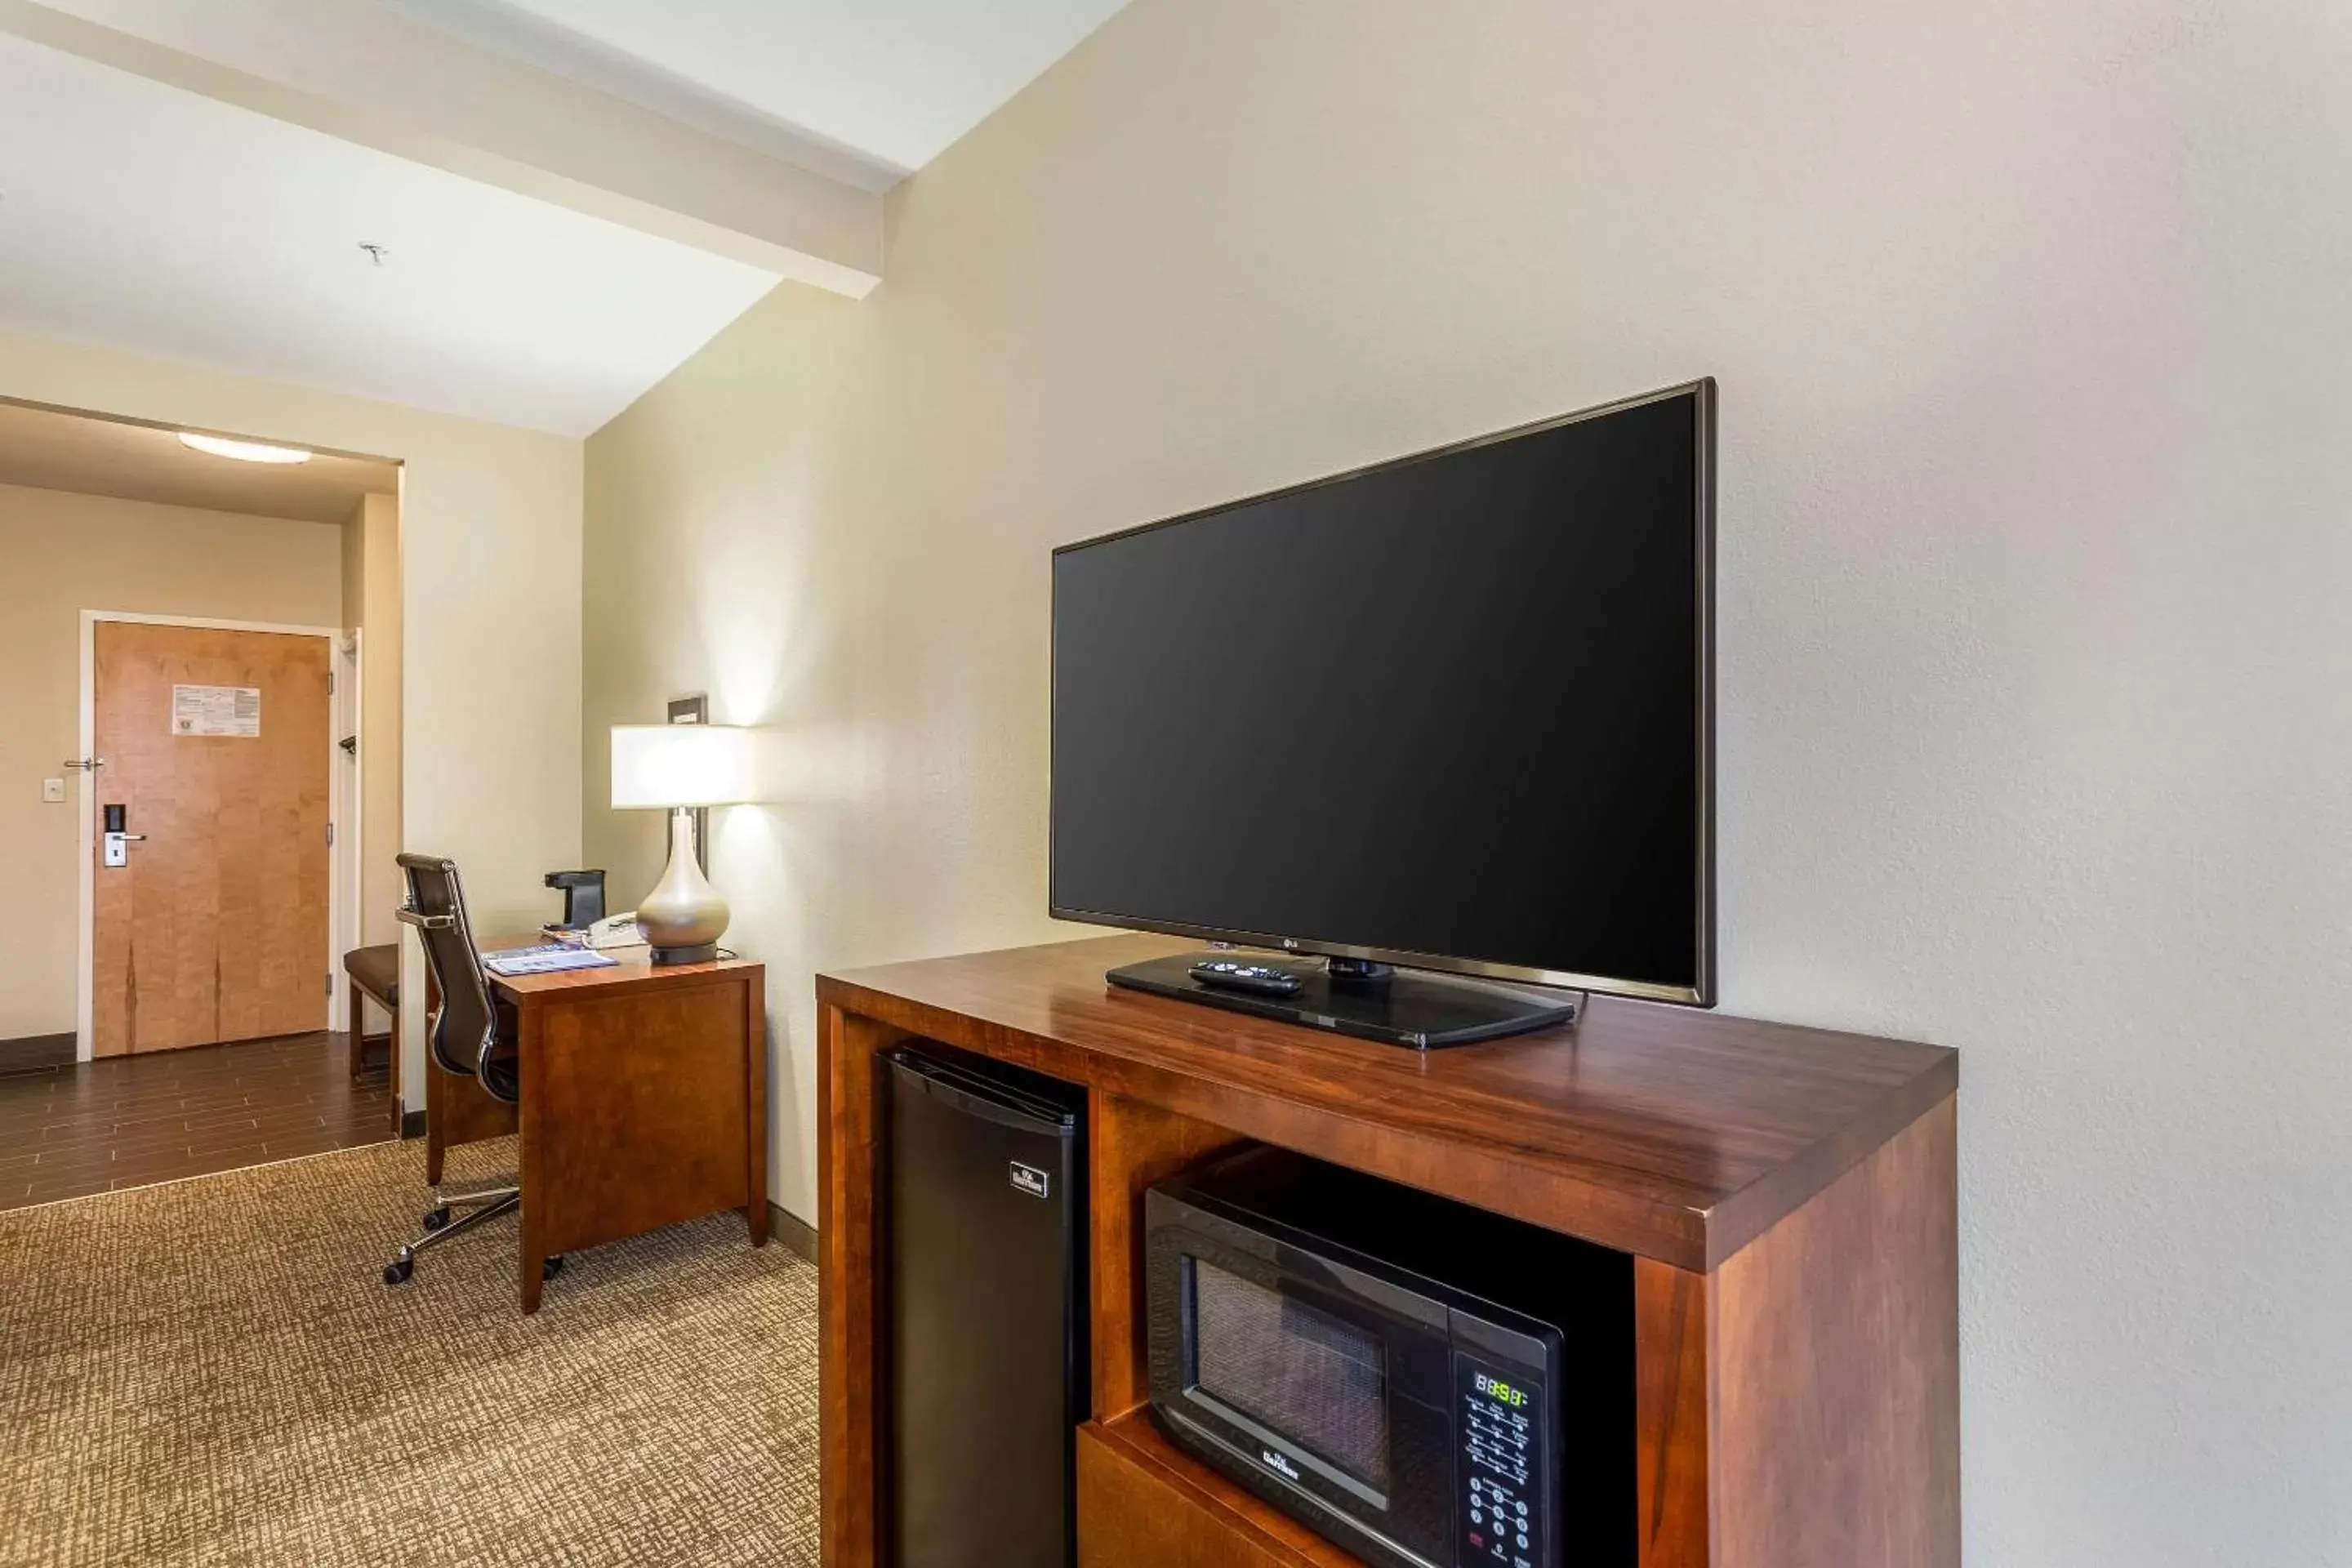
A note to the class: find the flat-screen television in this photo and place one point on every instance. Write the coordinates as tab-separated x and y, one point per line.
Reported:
1452	712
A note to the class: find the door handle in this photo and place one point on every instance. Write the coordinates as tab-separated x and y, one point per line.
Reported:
131	838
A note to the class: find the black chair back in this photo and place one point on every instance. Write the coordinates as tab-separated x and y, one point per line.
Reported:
465	1034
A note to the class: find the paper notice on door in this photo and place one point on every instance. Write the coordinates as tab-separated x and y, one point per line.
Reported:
234	710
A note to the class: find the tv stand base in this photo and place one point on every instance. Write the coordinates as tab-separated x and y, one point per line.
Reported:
1407	1007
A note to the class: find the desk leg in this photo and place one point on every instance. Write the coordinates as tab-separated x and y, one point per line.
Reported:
392	1073
436	1100
534	1260
437	1120
755	1036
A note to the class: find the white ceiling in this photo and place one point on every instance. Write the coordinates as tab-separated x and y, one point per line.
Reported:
893	80
50	450
197	182
163	222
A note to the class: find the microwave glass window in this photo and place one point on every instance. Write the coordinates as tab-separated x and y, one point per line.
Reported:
1292	1369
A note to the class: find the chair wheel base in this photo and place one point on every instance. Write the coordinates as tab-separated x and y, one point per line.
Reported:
397	1272
435	1218
550	1267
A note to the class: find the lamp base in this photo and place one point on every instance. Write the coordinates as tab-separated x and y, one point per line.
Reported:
684	917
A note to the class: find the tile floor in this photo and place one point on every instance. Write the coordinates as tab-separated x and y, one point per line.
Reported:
129	1121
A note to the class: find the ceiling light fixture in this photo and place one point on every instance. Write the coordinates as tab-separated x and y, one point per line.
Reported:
243	451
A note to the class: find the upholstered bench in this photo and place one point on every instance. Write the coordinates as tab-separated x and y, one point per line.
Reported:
374	972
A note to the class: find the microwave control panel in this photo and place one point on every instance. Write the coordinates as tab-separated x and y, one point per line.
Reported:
1500	1465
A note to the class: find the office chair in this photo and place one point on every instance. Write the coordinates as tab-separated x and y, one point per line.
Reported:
470	1036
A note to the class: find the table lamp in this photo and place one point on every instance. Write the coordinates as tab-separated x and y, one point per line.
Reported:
679	767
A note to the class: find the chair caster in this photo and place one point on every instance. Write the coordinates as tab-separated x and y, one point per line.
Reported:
397	1272
435	1218
550	1267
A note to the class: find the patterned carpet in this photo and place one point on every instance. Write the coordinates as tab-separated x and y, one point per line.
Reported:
213	1373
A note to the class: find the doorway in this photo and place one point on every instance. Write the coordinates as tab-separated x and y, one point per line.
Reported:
193	623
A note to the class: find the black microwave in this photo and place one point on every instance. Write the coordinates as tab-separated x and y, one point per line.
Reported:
1424	1384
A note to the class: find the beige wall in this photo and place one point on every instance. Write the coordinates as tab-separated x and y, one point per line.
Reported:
2030	324
67	554
370	546
491	596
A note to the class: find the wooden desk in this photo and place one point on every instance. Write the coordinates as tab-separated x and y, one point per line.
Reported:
1788	1195
645	1101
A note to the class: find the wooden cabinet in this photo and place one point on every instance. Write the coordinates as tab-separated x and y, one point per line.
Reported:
1788	1195
1142	1501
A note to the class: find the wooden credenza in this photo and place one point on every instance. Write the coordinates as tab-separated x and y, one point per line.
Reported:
1788	1195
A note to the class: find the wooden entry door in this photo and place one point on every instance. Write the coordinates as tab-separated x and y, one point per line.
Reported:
216	929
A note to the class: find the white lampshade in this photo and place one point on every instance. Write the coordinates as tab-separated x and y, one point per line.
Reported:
680	764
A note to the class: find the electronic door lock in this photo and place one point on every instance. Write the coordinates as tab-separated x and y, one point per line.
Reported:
116	851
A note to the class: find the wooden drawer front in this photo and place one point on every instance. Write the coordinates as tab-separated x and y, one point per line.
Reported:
655	1093
1143	1504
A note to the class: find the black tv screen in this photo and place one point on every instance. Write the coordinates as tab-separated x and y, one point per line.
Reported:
1451	712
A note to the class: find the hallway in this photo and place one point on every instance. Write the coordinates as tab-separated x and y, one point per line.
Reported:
132	1121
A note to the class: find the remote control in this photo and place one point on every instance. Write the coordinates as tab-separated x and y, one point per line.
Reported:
1262	978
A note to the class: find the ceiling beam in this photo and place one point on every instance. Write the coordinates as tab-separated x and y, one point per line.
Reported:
369	74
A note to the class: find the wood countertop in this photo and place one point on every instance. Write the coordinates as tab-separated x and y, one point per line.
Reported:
1670	1132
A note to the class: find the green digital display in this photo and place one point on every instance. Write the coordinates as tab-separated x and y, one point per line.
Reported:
1501	1393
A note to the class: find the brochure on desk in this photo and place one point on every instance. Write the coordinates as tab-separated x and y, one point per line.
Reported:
547	959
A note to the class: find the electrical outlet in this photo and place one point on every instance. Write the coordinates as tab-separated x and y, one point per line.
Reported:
53	792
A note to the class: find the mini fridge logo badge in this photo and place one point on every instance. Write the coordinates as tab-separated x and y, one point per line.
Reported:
1028	1179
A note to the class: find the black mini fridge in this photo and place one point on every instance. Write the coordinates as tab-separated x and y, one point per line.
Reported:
985	1253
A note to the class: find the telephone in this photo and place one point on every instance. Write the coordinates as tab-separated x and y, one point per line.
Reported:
615	931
